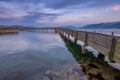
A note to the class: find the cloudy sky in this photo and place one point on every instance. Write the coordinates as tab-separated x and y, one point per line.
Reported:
58	12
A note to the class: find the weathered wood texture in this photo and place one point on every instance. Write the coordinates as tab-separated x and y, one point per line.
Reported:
109	45
117	50
100	42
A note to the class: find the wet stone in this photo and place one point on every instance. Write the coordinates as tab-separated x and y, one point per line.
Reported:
67	72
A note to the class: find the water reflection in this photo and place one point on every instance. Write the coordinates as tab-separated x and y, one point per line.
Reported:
36	56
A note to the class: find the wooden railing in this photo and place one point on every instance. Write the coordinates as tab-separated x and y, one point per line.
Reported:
109	45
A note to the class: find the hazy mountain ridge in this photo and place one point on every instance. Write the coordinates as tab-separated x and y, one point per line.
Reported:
70	27
108	25
15	26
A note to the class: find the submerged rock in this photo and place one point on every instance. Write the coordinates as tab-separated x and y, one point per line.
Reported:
67	72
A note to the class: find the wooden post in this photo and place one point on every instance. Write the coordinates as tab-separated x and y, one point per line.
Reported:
55	30
76	37
113	46
112	34
86	43
86	39
94	38
65	34
62	33
68	36
46	30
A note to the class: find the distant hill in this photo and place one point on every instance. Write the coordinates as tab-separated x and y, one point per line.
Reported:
108	25
69	27
15	26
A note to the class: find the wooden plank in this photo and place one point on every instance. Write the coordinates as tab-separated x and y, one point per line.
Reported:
117	51
101	42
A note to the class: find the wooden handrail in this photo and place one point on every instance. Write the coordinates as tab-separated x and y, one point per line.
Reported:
108	45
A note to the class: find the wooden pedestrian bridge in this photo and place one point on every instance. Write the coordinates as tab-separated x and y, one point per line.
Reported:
109	45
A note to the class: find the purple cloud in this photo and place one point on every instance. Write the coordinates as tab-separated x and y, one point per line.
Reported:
37	12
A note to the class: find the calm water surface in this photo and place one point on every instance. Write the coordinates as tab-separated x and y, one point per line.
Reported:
36	56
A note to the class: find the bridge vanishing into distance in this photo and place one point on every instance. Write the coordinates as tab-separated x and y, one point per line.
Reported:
109	45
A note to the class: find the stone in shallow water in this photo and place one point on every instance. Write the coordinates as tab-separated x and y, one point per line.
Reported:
67	72
45	78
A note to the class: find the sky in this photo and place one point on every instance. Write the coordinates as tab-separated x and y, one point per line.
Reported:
42	13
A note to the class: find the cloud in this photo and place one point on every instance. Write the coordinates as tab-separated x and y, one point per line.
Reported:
25	13
39	17
54	11
62	4
8	10
47	18
21	1
116	8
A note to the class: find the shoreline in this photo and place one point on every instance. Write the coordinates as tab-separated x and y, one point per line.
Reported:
94	68
8	31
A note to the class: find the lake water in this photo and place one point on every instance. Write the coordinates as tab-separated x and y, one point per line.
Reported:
37	56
